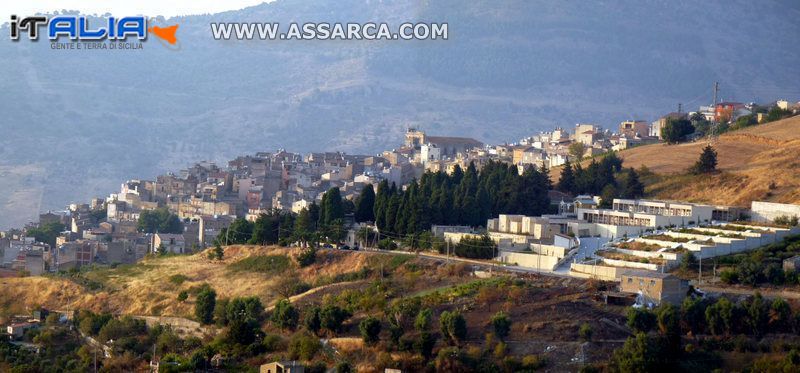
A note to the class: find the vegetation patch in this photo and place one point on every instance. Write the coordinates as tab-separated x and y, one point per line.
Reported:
270	264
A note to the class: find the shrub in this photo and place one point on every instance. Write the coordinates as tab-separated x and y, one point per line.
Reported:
178	279
728	276
272	343
270	264
183	296
424	344
303	346
585	331
311	320
502	324
387	244
370	329
332	316
453	326
423	320
204	305
284	315
786	220
307	257
641	320
476	247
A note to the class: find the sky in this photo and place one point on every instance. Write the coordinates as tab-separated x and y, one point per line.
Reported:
123	7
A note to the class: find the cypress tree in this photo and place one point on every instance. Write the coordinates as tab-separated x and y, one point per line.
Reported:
365	205
566	183
633	187
381	200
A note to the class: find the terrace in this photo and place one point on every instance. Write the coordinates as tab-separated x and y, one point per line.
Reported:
614	255
733	228
664	237
705	233
762	224
639	246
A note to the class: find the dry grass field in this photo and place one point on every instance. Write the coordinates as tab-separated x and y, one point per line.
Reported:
151	287
757	163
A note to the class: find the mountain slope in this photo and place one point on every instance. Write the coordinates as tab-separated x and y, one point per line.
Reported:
756	163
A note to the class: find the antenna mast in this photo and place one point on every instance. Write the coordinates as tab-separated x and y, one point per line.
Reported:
714	122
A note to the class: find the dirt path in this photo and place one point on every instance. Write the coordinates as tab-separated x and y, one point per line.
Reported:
770	293
179	324
300	296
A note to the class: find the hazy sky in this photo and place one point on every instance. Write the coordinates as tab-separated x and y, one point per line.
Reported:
123	7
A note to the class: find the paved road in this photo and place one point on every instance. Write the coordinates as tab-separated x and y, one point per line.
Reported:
586	250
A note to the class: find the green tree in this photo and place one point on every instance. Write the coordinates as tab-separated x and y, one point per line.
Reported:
707	162
566	183
331	208
365	205
669	327
244	319
311	319
641	320
423	320
370	329
675	130
639	354
585	331
780	316
307	257
46	233
777	113
159	220
303	227
304	346
453	326
502	324
693	314
719	317
688	261
475	247
204	305
284	315
332	316
632	188
219	252
607	195
425	343
758	315
577	150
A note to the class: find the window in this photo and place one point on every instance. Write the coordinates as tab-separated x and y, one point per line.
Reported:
630	280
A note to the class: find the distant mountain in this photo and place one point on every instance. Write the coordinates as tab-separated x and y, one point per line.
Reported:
77	123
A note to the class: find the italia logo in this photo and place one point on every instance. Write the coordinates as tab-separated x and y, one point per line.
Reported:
77	28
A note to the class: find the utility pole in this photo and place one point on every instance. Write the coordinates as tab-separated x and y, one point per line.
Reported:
700	268
716	92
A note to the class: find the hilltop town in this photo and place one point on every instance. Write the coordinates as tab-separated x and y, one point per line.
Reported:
567	214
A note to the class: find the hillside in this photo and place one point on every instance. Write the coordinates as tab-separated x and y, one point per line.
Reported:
151	287
546	312
756	163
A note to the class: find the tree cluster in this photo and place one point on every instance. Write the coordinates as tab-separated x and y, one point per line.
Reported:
159	220
605	178
460	198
